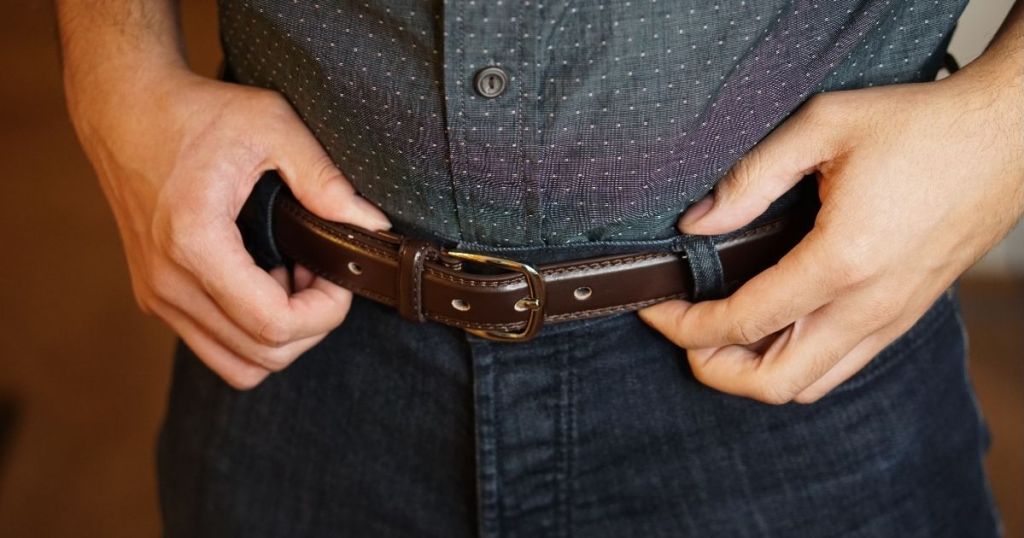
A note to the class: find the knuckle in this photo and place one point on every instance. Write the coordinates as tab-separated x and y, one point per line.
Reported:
774	393
274	332
176	240
271	102
697	368
248	379
144	298
852	265
275	358
144	303
882	310
747	331
880	304
704	377
161	282
808	396
324	171
742	176
901	326
275	109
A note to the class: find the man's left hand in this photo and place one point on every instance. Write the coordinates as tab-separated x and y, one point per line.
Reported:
917	181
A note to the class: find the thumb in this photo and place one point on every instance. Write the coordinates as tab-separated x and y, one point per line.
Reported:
795	149
318	184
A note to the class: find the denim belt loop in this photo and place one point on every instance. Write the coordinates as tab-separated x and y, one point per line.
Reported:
705	266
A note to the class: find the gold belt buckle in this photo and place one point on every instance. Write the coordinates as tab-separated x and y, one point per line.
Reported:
534	302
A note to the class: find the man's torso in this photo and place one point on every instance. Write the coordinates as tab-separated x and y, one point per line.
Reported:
615	117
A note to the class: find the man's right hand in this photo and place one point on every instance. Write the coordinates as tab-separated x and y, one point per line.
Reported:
177	156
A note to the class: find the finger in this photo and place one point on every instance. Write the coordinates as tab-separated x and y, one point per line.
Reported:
771	168
798	284
236	371
800	356
729	368
188	298
853	362
255	301
302	278
816	344
280	275
316	181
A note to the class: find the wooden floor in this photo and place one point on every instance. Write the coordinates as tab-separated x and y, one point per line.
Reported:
87	374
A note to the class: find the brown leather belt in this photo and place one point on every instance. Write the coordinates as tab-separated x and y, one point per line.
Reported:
427	282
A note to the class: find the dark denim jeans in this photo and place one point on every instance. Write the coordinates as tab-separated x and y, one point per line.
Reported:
595	429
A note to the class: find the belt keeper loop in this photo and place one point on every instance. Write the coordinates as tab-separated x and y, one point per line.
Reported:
705	267
412	256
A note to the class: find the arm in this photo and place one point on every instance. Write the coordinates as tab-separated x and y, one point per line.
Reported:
177	155
917	182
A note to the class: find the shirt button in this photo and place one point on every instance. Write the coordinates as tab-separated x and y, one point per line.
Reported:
491	82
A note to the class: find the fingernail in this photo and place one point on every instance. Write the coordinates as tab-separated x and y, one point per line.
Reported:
697	211
373	214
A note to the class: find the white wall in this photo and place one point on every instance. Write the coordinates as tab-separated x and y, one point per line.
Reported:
979	22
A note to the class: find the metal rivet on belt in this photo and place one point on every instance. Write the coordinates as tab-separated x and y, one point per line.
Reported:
460	305
582	293
355	268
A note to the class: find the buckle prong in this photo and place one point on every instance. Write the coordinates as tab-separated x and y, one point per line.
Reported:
534	302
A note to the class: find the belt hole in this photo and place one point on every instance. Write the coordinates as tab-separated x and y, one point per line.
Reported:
582	293
355	268
460	305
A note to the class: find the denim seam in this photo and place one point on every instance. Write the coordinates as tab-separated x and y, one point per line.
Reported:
488	504
569	439
560	475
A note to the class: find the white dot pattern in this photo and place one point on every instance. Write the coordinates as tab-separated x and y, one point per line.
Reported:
617	115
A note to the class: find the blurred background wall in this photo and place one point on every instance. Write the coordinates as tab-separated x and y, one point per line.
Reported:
83	375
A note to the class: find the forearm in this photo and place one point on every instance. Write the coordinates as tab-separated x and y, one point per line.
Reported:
1001	66
108	45
1007	47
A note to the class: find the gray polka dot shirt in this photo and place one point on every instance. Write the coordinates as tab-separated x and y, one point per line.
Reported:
605	118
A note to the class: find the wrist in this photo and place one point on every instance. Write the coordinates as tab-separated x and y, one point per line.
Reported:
990	91
125	87
112	79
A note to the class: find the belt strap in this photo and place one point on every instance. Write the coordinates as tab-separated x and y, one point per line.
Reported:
426	282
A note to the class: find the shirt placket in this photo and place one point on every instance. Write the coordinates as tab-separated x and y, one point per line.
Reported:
488	71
